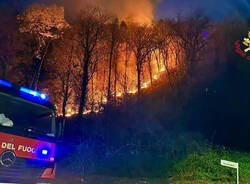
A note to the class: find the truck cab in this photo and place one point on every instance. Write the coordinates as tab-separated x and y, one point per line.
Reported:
27	135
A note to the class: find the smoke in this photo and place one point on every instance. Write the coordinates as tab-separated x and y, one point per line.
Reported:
141	11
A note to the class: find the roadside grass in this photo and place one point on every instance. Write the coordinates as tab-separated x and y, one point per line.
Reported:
201	165
103	179
205	168
115	180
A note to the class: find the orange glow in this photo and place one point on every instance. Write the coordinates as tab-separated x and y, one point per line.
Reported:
133	91
105	100
145	85
87	112
97	93
119	94
162	69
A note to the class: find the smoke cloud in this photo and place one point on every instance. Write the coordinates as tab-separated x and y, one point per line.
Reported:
142	11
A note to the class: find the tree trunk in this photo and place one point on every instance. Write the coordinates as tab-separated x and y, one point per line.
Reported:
115	81
126	68
110	70
85	80
138	66
103	76
65	100
150	72
92	94
125	85
64	106
157	61
35	82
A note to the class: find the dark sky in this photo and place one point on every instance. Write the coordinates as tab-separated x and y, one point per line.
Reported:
170	8
213	8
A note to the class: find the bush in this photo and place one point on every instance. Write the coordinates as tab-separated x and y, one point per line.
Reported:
206	166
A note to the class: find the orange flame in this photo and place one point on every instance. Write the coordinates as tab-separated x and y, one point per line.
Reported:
100	81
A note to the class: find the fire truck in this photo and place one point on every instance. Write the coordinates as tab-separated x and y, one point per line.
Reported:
27	135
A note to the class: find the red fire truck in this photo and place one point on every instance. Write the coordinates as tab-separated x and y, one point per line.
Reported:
27	135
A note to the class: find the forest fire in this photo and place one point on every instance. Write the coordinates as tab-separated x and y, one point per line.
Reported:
111	60
97	99
127	91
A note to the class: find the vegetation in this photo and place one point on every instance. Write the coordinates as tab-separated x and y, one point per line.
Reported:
205	167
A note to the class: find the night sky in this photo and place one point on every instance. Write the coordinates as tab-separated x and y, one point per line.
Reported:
217	9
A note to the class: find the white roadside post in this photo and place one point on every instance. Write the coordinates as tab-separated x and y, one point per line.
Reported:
232	165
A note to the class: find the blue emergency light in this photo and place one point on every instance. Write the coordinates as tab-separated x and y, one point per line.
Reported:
35	94
205	34
44	152
5	83
27	93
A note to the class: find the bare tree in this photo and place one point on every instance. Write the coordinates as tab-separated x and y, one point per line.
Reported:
191	32
90	29
126	49
44	22
166	41
64	62
142	42
113	40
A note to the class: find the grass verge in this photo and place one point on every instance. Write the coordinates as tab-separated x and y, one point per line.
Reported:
206	168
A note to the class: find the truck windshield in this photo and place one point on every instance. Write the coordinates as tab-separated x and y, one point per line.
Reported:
25	118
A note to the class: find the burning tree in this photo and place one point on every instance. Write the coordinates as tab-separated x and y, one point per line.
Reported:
143	42
64	67
169	47
90	31
45	23
113	39
127	50
113	59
